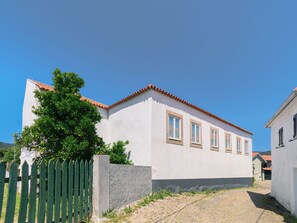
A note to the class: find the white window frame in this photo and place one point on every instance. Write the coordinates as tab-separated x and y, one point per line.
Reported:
246	147
217	139
170	139
238	143
194	143
228	149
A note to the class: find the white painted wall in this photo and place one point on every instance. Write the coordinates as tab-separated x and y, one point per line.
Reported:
29	102
131	121
171	161
257	164
284	178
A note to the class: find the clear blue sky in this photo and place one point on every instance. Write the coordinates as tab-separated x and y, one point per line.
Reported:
236	59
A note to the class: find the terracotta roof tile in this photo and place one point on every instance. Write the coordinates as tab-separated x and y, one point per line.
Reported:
50	88
267	157
149	87
255	154
152	87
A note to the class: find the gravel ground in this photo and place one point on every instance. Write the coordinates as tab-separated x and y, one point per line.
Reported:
237	205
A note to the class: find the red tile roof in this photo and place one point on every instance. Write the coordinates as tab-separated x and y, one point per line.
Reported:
50	88
255	154
267	157
150	87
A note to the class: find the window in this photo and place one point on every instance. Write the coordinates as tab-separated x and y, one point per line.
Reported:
195	134
214	138
174	128
238	145
295	126
228	141
246	147
281	137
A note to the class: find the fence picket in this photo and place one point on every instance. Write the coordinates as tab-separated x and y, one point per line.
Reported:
76	182
81	191
2	183
70	191
33	192
50	192
64	191
11	200
86	197
42	187
90	187
24	193
57	192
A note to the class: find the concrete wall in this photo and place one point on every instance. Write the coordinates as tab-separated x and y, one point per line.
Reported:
284	177
117	185
176	162
128	183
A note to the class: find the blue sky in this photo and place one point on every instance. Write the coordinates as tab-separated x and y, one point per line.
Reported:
236	59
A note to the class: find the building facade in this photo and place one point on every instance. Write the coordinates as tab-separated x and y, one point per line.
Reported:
185	145
283	125
262	166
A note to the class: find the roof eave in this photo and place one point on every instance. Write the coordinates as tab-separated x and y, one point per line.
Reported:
281	108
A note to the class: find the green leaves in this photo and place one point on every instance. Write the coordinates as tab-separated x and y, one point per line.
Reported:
65	127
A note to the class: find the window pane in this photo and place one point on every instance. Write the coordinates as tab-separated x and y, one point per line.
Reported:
197	133
177	128
171	119
193	133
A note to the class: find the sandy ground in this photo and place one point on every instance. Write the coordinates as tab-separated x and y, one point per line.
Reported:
237	205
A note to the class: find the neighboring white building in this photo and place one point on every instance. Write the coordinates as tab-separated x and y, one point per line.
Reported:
283	126
262	166
185	145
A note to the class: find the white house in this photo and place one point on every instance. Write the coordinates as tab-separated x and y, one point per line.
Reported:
283	125
185	145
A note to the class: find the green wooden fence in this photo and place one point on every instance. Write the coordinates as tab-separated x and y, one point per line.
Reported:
57	192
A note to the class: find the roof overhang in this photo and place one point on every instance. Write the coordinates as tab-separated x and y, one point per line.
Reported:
282	107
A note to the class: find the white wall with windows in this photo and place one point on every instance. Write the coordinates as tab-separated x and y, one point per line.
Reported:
212	157
284	154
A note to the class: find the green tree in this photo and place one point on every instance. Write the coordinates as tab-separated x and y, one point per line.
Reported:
117	152
65	125
11	154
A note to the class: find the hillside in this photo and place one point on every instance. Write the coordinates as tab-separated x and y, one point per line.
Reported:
4	145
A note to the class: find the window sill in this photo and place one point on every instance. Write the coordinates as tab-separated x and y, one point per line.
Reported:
195	145
175	141
290	140
281	146
239	153
214	149
228	150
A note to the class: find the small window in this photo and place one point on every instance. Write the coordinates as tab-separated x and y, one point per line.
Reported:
238	145
174	128
295	126
214	138
228	141
195	134
246	147
281	137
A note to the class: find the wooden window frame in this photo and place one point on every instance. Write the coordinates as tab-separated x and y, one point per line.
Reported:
230	149
214	148
193	144
238	152
171	140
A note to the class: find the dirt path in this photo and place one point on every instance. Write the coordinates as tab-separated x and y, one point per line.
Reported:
237	205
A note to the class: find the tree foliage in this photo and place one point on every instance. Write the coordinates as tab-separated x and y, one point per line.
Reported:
65	125
117	152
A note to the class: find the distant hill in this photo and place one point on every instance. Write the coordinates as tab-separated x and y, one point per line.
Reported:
4	145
